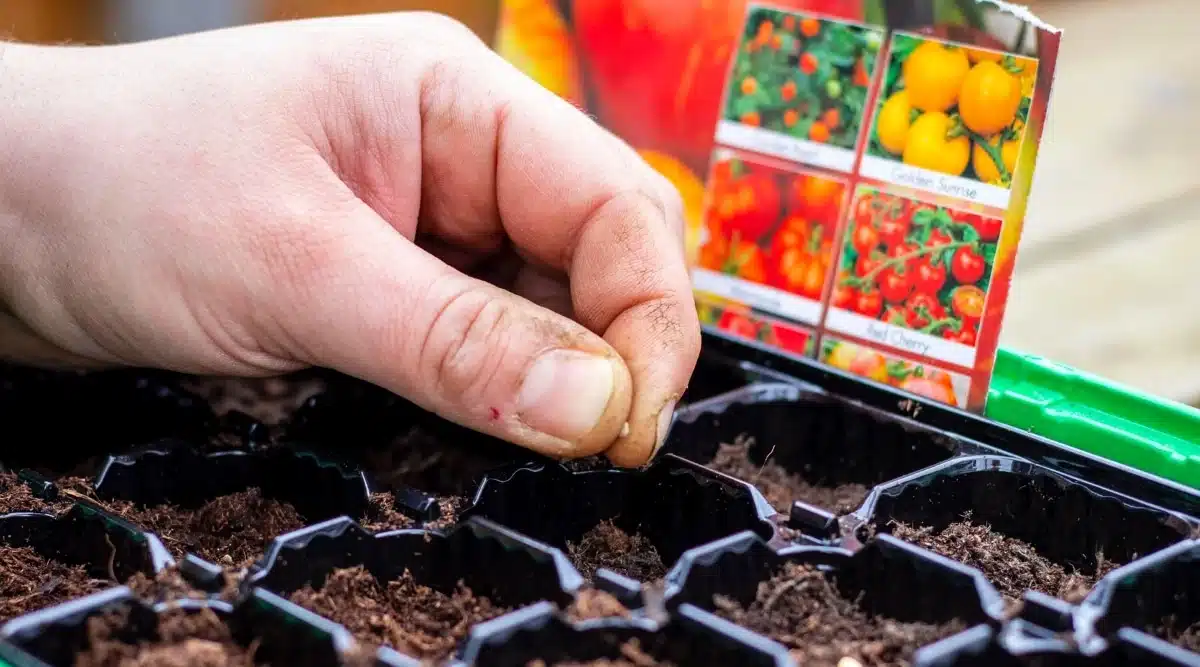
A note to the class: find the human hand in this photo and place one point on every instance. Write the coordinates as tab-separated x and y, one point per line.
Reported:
256	200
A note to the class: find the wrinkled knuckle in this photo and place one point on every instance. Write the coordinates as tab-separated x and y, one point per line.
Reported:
466	344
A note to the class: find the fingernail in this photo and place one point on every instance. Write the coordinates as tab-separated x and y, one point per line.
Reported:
565	393
664	425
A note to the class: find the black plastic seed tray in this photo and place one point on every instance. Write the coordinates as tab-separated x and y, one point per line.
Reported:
779	475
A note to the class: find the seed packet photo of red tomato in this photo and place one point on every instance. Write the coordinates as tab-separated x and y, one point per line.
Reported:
798	87
740	321
860	168
767	238
914	276
950	118
922	379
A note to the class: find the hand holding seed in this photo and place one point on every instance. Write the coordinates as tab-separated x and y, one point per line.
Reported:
257	200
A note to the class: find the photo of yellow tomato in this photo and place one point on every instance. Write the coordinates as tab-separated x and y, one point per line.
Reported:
953	109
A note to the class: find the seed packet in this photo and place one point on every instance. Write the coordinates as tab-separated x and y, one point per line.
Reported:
855	172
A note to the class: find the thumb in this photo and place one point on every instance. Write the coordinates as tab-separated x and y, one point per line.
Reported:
386	311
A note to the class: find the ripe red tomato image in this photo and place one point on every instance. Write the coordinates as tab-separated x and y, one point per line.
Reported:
967	266
928	277
967	302
893	230
844	297
751	205
866	264
895	286
864	211
865	238
869	303
987	227
924	309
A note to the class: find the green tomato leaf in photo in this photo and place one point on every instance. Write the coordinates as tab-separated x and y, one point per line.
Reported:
988	251
744	105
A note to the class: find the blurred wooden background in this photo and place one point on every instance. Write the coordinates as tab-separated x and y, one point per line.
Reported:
1105	272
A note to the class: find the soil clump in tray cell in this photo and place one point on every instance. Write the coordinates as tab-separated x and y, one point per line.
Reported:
197	639
591	604
1013	566
413	619
801	608
16	496
780	487
231	530
29	581
608	546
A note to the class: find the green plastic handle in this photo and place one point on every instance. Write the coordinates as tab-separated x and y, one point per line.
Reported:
1096	415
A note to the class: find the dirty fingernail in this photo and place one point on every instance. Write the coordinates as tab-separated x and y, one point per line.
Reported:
565	393
664	425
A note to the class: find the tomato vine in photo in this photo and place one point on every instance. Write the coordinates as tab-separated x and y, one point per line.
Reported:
803	77
917	265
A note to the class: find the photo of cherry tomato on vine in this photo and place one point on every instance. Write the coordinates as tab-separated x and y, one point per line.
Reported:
925	310
968	266
967	303
865	212
893	230
843	297
916	264
988	228
928	278
894	285
865	238
869	303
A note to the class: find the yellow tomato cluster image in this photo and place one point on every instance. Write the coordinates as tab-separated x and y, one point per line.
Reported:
953	109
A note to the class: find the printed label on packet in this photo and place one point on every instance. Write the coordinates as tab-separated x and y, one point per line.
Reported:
854	179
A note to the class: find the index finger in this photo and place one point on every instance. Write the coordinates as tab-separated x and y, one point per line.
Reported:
572	196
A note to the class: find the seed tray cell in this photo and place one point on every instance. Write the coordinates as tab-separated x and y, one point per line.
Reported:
175	474
543	549
900	596
109	550
803	446
541	635
672	506
1081	531
492	562
402	445
262	626
1153	601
